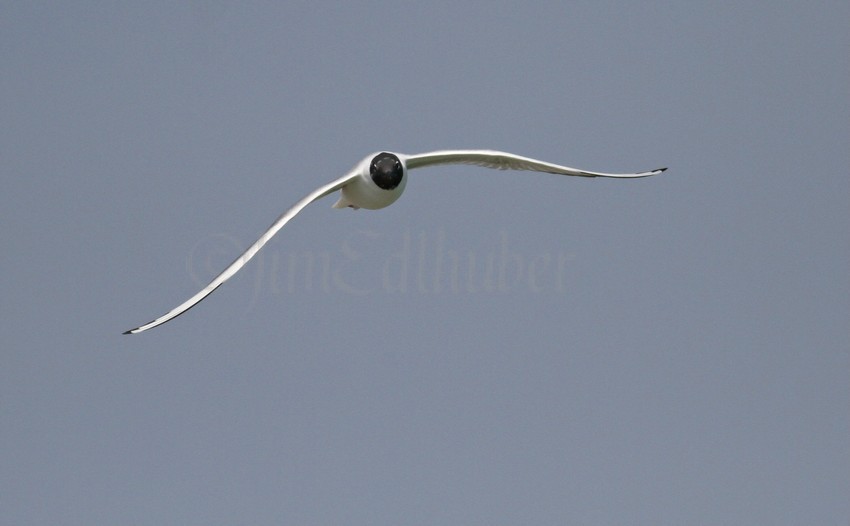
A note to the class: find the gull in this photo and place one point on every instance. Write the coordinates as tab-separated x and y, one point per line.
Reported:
377	182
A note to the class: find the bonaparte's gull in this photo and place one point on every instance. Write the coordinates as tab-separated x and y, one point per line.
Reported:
376	182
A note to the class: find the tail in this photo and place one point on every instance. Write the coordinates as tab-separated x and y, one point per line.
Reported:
344	203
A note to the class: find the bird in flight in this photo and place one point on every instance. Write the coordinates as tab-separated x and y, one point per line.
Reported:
377	182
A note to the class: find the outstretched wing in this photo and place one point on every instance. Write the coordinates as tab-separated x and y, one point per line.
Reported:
239	262
506	161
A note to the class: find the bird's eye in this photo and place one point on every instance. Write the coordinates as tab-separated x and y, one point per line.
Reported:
386	171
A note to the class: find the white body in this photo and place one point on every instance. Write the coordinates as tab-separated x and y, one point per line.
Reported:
362	192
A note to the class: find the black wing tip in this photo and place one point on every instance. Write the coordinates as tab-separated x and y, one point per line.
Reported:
654	172
135	330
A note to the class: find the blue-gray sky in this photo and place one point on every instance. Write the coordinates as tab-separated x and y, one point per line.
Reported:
494	348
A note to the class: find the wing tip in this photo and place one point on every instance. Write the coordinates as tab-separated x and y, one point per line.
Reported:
653	172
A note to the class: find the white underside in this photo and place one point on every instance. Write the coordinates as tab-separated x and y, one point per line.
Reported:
363	193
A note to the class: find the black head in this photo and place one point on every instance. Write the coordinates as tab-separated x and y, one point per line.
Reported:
386	171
